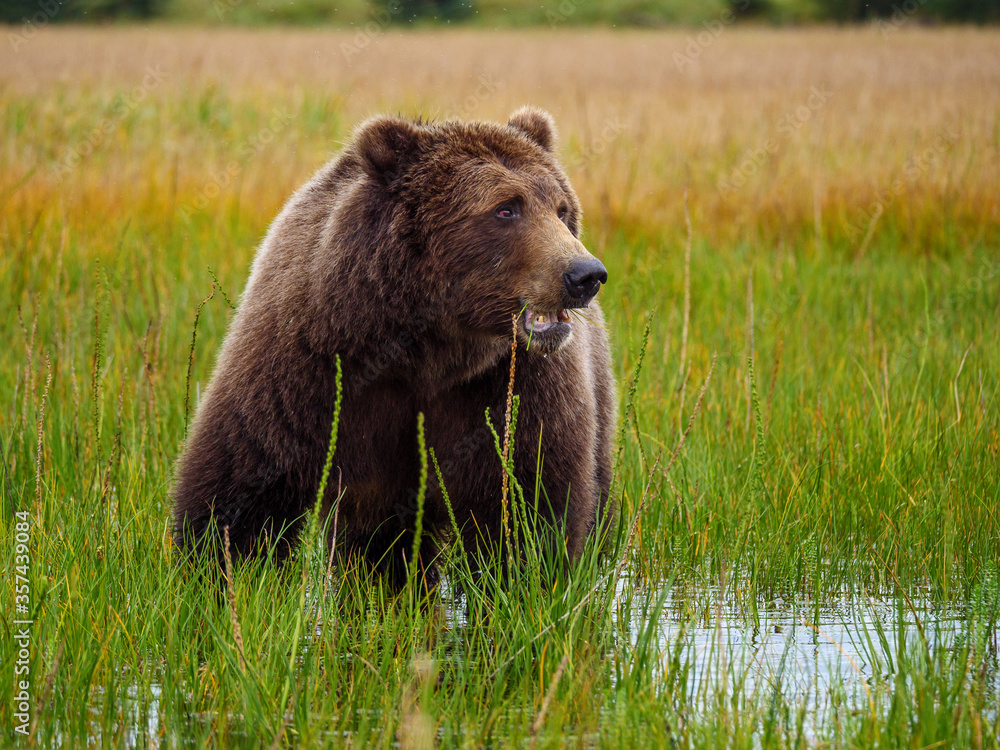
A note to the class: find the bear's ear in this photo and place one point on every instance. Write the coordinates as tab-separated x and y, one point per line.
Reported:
537	124
386	146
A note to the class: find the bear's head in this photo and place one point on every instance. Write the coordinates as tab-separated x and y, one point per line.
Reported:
490	221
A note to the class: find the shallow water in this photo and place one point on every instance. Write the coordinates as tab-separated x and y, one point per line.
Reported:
841	654
819	658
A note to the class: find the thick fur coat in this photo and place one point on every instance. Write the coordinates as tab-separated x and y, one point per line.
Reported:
408	255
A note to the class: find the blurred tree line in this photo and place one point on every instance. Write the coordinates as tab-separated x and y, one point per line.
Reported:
18	11
943	10
499	12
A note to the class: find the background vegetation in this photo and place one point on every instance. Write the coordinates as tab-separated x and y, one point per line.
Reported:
838	290
501	13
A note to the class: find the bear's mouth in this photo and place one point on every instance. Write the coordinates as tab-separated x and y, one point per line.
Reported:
545	331
538	322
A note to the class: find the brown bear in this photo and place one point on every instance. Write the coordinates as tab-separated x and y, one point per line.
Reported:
409	256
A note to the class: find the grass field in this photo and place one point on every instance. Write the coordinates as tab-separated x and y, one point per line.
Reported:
837	494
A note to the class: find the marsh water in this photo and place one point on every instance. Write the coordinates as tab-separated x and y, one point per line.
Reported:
822	658
802	648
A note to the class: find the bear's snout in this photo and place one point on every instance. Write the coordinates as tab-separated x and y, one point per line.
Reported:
583	279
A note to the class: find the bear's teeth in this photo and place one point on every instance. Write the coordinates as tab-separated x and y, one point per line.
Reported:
537	321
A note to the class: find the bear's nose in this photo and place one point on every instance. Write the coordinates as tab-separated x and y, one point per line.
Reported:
584	278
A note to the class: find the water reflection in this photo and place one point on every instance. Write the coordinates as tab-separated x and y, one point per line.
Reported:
839	654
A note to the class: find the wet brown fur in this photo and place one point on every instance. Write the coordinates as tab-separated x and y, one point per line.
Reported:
391	257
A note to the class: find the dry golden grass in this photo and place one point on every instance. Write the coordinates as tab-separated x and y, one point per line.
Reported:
906	119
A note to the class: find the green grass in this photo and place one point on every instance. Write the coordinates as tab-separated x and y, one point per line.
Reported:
858	463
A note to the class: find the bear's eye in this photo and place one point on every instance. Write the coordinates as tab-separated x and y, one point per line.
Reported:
563	213
507	211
